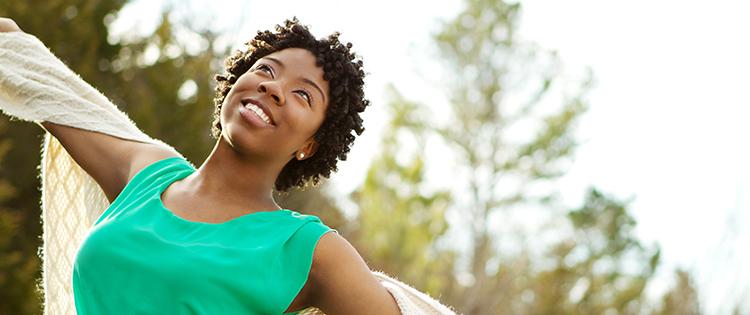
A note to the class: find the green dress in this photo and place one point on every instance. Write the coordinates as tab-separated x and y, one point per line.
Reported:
140	258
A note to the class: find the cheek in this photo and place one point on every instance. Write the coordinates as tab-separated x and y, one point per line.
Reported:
224	111
245	82
305	121
299	127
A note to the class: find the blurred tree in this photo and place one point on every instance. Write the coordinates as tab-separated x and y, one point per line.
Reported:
496	86
316	201
682	299
398	222
17	269
596	266
601	267
169	90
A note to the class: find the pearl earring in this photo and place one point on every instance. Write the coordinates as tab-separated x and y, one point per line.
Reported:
301	155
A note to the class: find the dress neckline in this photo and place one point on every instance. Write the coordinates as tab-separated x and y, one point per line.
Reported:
170	213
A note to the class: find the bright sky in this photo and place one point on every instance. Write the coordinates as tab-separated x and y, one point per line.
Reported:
667	121
667	116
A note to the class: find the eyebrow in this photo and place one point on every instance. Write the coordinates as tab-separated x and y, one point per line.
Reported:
305	80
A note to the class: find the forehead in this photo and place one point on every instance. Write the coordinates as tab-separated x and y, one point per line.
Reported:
297	59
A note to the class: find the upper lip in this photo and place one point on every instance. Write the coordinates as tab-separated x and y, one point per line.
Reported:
262	106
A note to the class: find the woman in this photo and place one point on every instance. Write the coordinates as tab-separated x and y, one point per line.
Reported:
212	240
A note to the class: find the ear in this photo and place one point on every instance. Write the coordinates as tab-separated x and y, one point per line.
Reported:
308	148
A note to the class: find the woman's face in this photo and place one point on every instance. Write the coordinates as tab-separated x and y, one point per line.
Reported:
290	90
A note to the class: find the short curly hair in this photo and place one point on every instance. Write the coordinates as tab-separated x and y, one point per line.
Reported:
342	68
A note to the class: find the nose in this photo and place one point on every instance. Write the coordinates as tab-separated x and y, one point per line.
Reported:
273	89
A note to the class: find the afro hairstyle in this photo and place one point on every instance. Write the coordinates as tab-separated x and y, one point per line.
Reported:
342	68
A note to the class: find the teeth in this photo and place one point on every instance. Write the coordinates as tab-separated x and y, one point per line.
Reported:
258	112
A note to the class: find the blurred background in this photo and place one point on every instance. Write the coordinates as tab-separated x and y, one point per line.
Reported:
533	157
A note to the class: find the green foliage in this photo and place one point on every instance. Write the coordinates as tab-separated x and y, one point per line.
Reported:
17	269
317	201
398	223
496	85
600	268
683	298
170	91
496	88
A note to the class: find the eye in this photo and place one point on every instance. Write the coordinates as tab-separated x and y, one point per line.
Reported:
306	95
265	68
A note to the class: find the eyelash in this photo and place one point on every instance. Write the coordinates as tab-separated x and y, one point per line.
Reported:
270	70
261	66
309	96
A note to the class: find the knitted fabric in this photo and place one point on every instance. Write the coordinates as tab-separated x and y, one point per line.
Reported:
36	86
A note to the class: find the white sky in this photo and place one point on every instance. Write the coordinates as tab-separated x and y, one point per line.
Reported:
667	120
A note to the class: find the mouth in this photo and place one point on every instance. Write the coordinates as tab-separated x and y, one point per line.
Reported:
259	109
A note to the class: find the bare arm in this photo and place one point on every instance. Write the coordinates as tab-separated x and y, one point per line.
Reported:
111	161
343	284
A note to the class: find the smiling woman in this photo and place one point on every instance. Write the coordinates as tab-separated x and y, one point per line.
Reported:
285	112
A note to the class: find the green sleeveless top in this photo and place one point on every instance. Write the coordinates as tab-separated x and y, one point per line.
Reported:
140	258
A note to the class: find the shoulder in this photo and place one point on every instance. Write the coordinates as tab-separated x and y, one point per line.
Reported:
147	155
331	251
343	282
334	260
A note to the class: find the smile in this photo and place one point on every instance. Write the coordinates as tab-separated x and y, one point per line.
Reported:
258	112
259	108
255	116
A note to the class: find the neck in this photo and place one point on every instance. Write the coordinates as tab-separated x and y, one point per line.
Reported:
246	181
